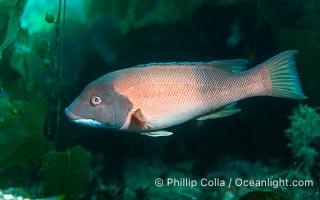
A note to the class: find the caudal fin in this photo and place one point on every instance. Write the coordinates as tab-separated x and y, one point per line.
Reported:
283	75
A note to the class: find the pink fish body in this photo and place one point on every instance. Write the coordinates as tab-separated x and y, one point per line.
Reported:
150	98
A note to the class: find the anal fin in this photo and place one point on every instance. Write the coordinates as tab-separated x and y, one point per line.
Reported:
224	111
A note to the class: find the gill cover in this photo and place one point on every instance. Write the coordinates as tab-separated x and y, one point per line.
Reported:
101	106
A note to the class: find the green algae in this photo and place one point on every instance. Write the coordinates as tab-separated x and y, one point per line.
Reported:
29	152
20	131
24	104
303	133
15	8
65	172
26	150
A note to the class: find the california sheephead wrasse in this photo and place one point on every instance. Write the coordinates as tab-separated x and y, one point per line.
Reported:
149	98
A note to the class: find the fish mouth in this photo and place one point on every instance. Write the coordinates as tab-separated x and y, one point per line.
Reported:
81	120
71	115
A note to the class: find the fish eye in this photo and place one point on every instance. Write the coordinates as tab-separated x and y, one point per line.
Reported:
95	100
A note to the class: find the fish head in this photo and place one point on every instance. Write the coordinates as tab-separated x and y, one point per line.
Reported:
99	105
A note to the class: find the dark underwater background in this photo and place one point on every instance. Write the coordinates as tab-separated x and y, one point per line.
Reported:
50	50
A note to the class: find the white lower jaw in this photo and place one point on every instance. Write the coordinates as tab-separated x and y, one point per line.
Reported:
88	122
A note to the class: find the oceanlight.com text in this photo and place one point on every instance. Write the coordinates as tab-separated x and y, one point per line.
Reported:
275	183
231	182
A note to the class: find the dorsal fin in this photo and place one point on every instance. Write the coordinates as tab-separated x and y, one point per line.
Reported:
231	65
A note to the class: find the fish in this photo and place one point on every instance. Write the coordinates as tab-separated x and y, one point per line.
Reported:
150	98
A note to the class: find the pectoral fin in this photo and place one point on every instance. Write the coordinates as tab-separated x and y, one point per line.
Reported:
225	111
139	116
157	133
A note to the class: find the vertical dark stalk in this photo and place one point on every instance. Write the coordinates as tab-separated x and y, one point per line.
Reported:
53	122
